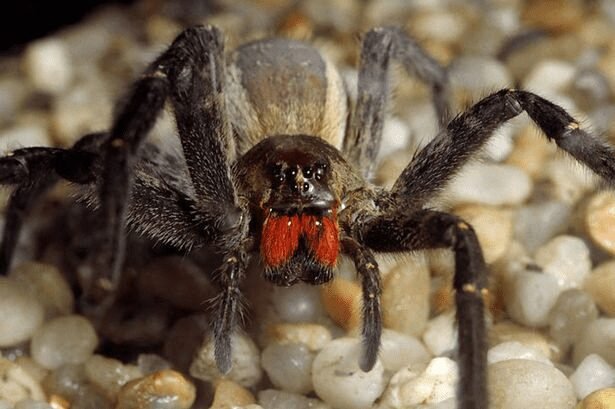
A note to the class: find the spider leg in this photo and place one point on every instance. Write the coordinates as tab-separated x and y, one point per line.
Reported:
205	133
227	306
191	73
466	134
363	138
427	229
34	171
367	267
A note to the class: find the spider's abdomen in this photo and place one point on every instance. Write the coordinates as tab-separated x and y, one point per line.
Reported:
281	86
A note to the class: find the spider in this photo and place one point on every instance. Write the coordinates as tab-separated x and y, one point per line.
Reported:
274	163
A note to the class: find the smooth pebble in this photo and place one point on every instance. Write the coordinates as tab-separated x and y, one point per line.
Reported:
515	350
21	313
48	285
48	65
567	259
573	310
598	337
440	336
274	399
166	389
245	360
289	367
69	339
398	350
529	297
490	184
600	285
593	373
339	381
523	383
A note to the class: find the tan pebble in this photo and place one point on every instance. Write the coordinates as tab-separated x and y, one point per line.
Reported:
48	285
109	375
606	64
58	402
16	384
314	336
493	226
159	387
161	30
342	301
33	368
600	284
599	220
553	15
405	296
506	331
229	394
530	151
600	399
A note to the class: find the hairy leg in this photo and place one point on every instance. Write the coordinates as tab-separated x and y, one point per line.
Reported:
364	135
466	134
426	229
367	269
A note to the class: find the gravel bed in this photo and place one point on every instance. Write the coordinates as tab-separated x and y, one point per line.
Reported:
547	226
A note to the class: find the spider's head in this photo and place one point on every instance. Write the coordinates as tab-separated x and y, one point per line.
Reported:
299	239
294	183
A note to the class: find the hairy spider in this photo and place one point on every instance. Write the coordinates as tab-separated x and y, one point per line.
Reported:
271	165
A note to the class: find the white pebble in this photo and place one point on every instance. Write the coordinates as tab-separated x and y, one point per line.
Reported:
549	76
440	336
515	350
340	382
573	310
529	297
567	259
48	65
21	313
274	399
536	223
408	387
522	383
246	367
64	340
33	404
593	373
491	184
23	136
398	350
289	367
598	337
48	285
299	303
395	136
479	73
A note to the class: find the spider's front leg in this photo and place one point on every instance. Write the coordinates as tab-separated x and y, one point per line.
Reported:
435	165
427	229
190	73
368	271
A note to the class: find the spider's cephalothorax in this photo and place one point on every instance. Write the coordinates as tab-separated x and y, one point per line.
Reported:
295	187
274	162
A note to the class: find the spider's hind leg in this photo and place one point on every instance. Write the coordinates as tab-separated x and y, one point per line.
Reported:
363	138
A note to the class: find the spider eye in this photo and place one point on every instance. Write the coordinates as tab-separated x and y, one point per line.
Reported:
308	172
320	171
